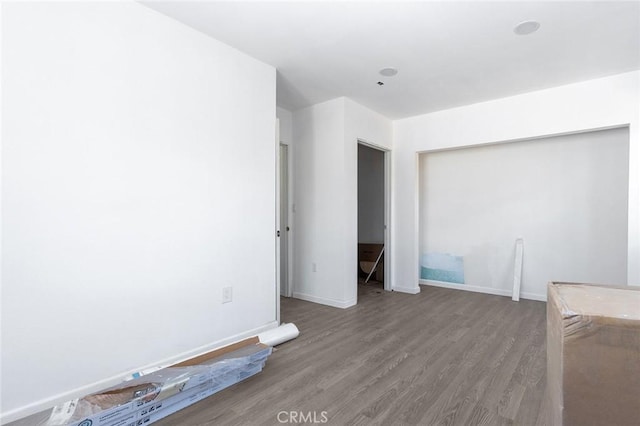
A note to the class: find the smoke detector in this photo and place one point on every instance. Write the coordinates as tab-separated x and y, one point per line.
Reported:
526	27
388	72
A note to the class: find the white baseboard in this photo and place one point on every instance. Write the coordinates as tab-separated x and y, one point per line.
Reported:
410	290
486	290
533	296
49	402
325	300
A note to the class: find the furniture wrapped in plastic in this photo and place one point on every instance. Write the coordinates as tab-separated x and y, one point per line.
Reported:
593	354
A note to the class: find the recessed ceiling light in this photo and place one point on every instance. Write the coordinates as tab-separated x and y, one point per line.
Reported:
526	27
388	72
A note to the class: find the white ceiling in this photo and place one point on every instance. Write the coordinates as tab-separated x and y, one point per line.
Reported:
448	53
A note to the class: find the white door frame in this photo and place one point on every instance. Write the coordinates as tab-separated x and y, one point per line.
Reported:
277	224
283	233
387	210
285	213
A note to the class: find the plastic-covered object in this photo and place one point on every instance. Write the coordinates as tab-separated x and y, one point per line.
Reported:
281	334
153	396
593	354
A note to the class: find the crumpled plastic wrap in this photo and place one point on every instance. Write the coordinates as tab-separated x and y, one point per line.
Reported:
593	354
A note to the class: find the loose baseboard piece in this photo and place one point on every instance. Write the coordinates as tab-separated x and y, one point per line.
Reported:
486	290
409	290
46	403
534	296
517	270
325	300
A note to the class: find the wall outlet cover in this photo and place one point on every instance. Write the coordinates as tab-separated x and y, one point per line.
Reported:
227	294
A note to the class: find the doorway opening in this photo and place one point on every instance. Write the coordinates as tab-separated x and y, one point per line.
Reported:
285	287
373	217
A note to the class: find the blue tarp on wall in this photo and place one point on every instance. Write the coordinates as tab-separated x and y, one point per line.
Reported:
442	267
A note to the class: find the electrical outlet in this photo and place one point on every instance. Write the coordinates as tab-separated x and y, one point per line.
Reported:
314	267
227	294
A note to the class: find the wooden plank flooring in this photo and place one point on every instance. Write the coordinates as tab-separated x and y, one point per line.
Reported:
442	357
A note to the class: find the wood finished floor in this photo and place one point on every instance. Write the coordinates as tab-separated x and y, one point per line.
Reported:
442	357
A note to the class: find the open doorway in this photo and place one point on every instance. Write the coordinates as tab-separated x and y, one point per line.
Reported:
285	288
372	217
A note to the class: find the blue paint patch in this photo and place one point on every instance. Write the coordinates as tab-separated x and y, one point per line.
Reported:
442	267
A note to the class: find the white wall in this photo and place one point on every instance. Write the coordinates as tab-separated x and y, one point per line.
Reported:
135	151
594	104
320	227
566	196
370	195
326	157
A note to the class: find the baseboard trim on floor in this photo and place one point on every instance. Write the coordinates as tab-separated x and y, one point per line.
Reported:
485	290
49	402
325	300
533	296
409	290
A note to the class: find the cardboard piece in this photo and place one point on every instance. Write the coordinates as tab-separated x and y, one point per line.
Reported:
201	359
593	354
367	256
